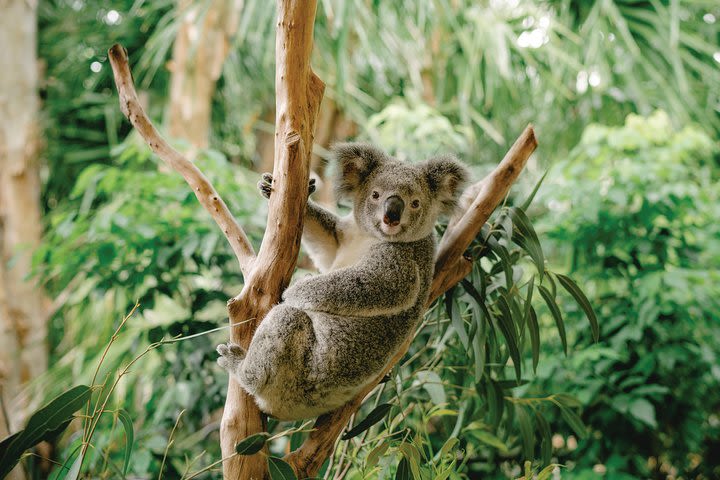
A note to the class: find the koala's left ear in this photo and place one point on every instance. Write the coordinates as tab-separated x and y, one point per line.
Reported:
446	177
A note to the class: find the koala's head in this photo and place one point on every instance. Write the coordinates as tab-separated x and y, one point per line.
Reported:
393	200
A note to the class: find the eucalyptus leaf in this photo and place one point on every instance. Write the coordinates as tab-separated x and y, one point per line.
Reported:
555	311
376	415
572	288
280	470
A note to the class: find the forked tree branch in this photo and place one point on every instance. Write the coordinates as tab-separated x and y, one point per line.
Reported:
201	186
451	267
298	95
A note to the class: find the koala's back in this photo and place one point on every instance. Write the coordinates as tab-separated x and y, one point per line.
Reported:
338	355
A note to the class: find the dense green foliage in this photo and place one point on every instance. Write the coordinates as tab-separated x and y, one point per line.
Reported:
631	216
635	210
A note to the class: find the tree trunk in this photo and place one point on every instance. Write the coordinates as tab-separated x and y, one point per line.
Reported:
199	52
23	330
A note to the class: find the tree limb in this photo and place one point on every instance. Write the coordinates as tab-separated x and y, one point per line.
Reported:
201	186
450	267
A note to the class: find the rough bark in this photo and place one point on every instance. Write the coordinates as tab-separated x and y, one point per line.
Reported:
199	52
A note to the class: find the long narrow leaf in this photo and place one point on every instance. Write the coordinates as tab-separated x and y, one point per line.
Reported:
129	437
555	311
373	417
507	327
525	236
572	288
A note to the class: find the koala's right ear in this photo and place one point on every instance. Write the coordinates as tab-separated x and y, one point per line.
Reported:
356	161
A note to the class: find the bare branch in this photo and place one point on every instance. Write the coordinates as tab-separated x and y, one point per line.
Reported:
492	190
201	186
308	459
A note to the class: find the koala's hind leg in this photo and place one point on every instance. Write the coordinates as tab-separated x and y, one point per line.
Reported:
280	355
231	357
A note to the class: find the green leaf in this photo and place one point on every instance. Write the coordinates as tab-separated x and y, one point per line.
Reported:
531	197
546	438
547	471
507	327
448	447
373	417
74	471
527	239
374	456
534	329
129	437
252	444
280	470
566	400
574	421
432	383
496	402
644	411
489	439
410	452
526	432
572	288
50	418
403	470
458	324
555	311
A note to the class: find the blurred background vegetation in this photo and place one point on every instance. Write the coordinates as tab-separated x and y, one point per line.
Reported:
625	99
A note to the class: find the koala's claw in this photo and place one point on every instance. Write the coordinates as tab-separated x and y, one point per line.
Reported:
231	356
265	185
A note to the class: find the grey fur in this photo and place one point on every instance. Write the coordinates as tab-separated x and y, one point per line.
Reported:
335	332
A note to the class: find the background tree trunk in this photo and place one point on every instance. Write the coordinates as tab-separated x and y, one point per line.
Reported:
199	52
23	329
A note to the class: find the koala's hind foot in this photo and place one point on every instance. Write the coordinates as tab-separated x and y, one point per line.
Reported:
231	357
265	185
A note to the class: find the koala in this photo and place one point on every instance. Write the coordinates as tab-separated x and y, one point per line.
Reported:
335	332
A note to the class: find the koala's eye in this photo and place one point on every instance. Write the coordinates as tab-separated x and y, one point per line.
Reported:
415	204
375	195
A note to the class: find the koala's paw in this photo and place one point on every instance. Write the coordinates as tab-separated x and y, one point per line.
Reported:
265	185
231	356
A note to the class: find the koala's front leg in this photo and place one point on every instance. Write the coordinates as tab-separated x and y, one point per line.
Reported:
265	185
320	233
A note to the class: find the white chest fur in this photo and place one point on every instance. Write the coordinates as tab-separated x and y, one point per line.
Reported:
354	244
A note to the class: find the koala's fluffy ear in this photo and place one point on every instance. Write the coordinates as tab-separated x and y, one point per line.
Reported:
356	161
446	177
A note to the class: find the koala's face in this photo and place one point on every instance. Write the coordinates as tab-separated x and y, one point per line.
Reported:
395	203
393	200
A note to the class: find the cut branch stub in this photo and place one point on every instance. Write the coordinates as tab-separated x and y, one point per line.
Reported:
307	460
201	186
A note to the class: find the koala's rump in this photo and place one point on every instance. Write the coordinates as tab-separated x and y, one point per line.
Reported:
345	355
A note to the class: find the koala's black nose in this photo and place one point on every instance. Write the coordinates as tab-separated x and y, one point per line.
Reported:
394	207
